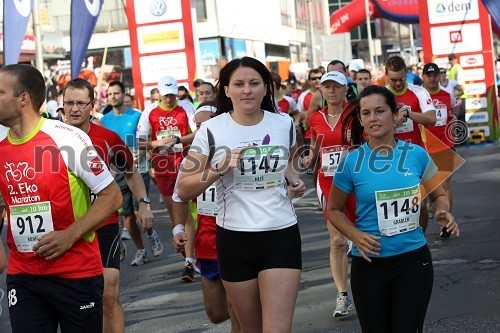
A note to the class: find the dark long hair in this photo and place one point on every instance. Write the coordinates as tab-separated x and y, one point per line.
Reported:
351	120
224	103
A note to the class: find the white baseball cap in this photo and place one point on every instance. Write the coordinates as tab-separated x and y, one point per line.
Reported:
167	85
334	76
354	66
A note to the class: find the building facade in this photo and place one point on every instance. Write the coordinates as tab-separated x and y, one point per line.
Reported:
279	33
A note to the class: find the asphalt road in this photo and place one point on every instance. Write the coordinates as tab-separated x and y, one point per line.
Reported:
466	294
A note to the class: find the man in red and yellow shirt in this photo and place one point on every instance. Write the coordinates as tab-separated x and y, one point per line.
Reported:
50	168
439	142
416	109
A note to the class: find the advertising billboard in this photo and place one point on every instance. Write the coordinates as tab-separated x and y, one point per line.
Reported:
463	28
161	43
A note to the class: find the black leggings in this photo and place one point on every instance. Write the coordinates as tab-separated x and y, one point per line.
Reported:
392	294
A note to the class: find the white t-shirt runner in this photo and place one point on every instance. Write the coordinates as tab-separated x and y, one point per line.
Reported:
253	197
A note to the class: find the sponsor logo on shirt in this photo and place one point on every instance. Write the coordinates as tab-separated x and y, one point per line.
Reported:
265	141
96	165
168	123
17	172
21	186
87	306
437	102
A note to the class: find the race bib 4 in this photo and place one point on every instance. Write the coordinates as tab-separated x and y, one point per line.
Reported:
441	115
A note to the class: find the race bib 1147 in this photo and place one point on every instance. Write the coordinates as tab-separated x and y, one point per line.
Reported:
261	167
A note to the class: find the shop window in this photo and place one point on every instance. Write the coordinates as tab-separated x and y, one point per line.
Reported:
286	14
303	15
201	10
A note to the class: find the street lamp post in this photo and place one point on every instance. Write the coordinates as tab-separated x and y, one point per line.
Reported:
311	33
412	46
38	37
369	31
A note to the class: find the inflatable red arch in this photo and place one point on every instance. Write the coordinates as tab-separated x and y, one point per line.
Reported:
403	11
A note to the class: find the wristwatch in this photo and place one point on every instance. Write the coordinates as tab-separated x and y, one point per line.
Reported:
177	140
145	200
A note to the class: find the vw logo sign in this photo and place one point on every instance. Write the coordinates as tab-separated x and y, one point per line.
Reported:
93	7
158	7
23	7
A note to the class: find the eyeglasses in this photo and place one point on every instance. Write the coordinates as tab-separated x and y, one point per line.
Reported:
315	78
79	104
442	72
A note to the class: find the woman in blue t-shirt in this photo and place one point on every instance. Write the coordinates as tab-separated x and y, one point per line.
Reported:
391	273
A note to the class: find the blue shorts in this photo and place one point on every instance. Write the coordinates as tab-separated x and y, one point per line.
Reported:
209	268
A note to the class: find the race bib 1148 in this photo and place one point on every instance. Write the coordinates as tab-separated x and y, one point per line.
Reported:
398	211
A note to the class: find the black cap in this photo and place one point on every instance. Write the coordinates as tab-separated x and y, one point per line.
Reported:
430	68
452	57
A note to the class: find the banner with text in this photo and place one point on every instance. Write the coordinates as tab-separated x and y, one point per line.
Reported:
463	28
84	16
161	43
16	15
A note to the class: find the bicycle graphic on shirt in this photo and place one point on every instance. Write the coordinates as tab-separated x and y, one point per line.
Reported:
16	174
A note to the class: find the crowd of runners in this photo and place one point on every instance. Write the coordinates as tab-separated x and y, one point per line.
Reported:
76	182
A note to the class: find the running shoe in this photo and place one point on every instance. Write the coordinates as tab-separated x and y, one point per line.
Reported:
155	244
444	234
188	274
126	234
123	250
140	258
344	305
2	294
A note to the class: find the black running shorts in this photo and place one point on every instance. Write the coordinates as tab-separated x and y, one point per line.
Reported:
242	255
41	303
109	245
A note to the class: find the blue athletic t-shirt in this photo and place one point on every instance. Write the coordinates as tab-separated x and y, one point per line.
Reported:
124	125
365	171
